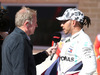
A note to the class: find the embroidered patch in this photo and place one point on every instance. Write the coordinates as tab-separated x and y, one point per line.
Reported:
70	50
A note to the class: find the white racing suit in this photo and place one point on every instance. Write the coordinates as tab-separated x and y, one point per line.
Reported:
77	55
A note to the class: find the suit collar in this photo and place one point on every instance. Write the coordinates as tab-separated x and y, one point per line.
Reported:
25	36
19	31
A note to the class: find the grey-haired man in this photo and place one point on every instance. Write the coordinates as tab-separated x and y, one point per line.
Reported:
17	57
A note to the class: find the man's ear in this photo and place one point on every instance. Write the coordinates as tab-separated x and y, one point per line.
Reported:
26	23
74	22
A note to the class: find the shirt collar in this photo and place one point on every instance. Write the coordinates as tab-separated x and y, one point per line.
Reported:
28	37
76	34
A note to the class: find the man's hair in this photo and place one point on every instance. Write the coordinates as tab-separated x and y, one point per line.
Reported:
86	22
23	15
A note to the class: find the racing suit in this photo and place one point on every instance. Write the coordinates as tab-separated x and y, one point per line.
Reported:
77	55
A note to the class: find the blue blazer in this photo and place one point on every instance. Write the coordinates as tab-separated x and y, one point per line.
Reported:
17	57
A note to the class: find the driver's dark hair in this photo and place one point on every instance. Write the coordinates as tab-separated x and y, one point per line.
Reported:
86	22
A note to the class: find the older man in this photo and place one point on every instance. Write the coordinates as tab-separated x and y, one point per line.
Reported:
17	58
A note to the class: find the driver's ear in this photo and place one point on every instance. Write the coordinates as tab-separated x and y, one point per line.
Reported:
74	22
